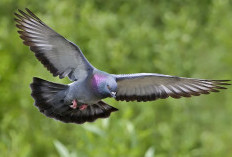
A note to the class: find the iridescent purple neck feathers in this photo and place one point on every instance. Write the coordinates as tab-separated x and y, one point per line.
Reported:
97	79
103	85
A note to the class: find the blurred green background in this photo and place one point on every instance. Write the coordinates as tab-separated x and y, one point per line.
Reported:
183	38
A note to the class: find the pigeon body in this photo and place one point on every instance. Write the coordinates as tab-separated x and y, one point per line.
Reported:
81	100
97	86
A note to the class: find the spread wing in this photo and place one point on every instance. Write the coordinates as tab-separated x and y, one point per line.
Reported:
60	56
148	86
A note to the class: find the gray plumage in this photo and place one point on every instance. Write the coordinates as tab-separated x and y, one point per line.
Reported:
81	100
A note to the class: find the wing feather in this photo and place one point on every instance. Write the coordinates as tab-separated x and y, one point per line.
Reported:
148	86
60	56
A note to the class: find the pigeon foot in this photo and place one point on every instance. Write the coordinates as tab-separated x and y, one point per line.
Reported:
84	106
74	104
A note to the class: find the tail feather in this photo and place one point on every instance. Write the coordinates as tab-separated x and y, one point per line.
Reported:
90	114
47	93
49	99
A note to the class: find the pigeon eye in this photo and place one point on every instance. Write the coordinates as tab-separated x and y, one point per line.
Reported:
108	86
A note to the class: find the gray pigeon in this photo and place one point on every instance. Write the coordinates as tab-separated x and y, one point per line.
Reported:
81	100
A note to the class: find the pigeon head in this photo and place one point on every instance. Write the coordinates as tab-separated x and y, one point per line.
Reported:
103	85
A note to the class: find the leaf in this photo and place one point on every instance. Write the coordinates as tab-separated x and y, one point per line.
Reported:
94	129
62	150
150	152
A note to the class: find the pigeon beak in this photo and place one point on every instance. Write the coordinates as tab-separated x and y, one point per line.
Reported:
113	94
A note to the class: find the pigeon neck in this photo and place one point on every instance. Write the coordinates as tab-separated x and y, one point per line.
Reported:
97	83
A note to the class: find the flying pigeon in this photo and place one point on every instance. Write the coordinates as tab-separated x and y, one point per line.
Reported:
81	100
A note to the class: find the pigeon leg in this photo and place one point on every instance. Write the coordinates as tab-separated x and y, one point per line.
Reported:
74	104
84	106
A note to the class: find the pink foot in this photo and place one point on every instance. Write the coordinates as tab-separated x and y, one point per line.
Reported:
74	104
84	106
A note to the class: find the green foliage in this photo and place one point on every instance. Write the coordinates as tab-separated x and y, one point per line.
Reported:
184	38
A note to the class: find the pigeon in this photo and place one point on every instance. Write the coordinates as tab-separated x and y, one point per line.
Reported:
82	100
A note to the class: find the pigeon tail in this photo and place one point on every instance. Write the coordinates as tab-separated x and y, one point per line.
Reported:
89	114
48	96
50	100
